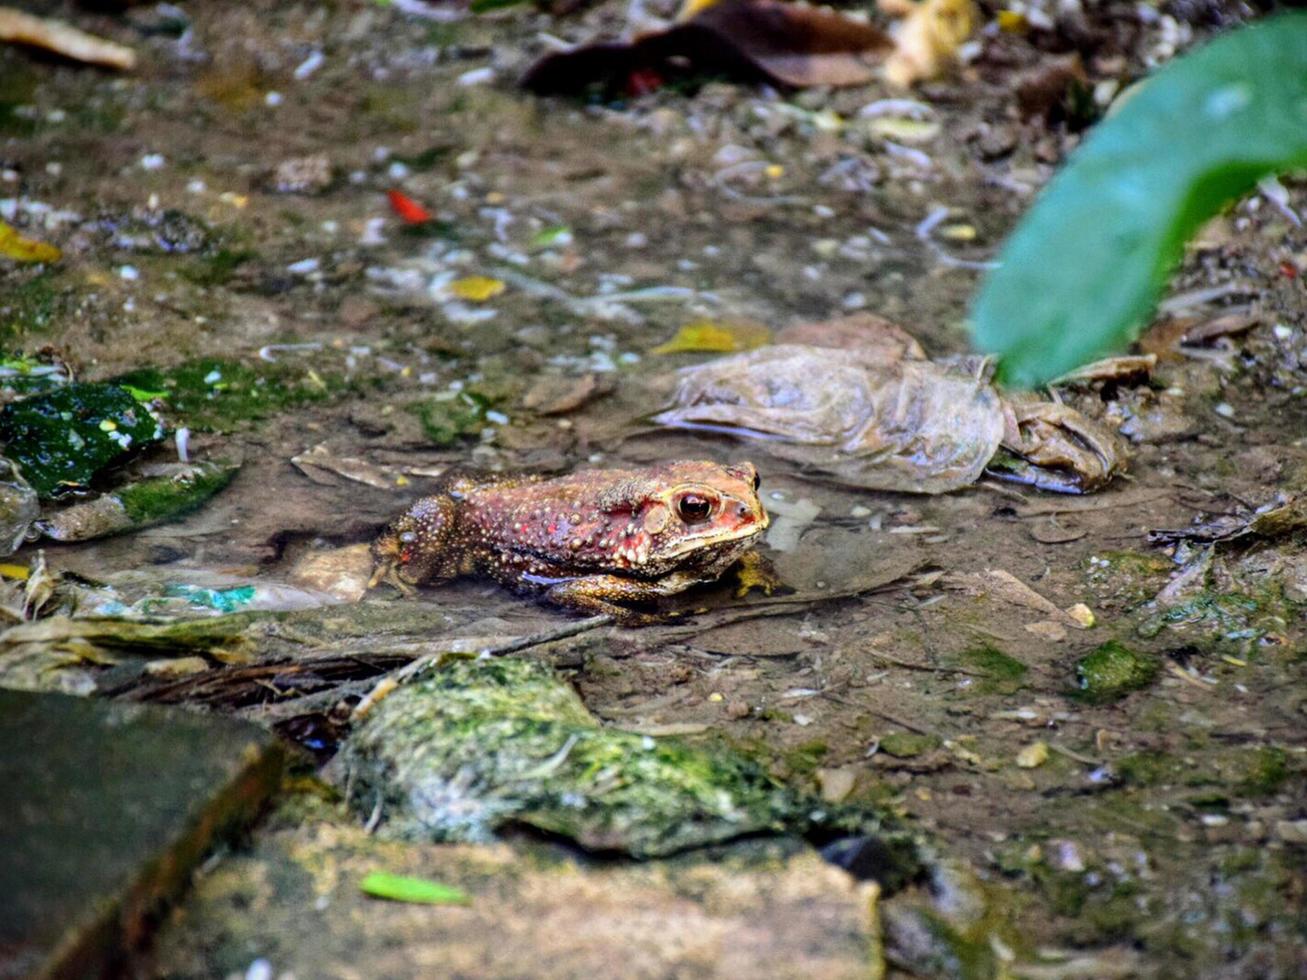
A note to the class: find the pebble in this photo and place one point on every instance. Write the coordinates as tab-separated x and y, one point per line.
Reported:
1225	410
1033	755
309	65
836	784
302	175
1291	831
477	76
153	161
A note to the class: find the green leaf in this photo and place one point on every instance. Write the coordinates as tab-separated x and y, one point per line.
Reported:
402	888
1082	272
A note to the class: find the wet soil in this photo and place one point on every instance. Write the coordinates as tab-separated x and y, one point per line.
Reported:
1163	828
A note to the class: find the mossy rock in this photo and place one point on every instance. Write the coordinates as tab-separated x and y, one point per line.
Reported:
63	438
164	498
1113	671
487	744
213	395
1004	674
908	745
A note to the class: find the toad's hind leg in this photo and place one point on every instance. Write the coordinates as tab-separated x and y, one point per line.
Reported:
599	595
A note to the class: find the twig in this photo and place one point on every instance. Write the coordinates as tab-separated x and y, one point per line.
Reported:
893	719
908	665
1062	750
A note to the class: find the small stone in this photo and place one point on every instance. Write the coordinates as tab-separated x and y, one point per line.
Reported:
1082	614
997	141
1291	831
1033	755
1065	855
339	572
836	784
1224	409
737	709
1047	629
357	311
302	175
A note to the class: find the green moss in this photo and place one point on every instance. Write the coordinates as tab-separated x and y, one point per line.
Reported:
449	421
485	744
1229	772
218	396
29	303
1005	674
804	759
63	438
1151	768
1113	671
217	268
1129	577
167	497
18	84
389	107
907	745
428	158
1267	769
1221	621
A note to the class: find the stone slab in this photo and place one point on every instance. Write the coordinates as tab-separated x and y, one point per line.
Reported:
105	809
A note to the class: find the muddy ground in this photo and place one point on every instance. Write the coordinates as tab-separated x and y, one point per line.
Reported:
1161	833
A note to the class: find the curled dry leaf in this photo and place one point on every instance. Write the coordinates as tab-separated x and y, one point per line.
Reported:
909	425
780	43
859	402
320	458
56	36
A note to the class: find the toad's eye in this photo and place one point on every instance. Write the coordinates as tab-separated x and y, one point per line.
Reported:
694	508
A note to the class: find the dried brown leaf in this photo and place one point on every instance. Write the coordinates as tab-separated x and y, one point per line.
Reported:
746	39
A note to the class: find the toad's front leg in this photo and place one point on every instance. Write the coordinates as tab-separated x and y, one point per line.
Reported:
599	594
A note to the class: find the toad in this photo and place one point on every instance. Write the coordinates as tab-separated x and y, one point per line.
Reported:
592	541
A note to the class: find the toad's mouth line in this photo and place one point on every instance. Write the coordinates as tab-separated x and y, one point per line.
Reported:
741	535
